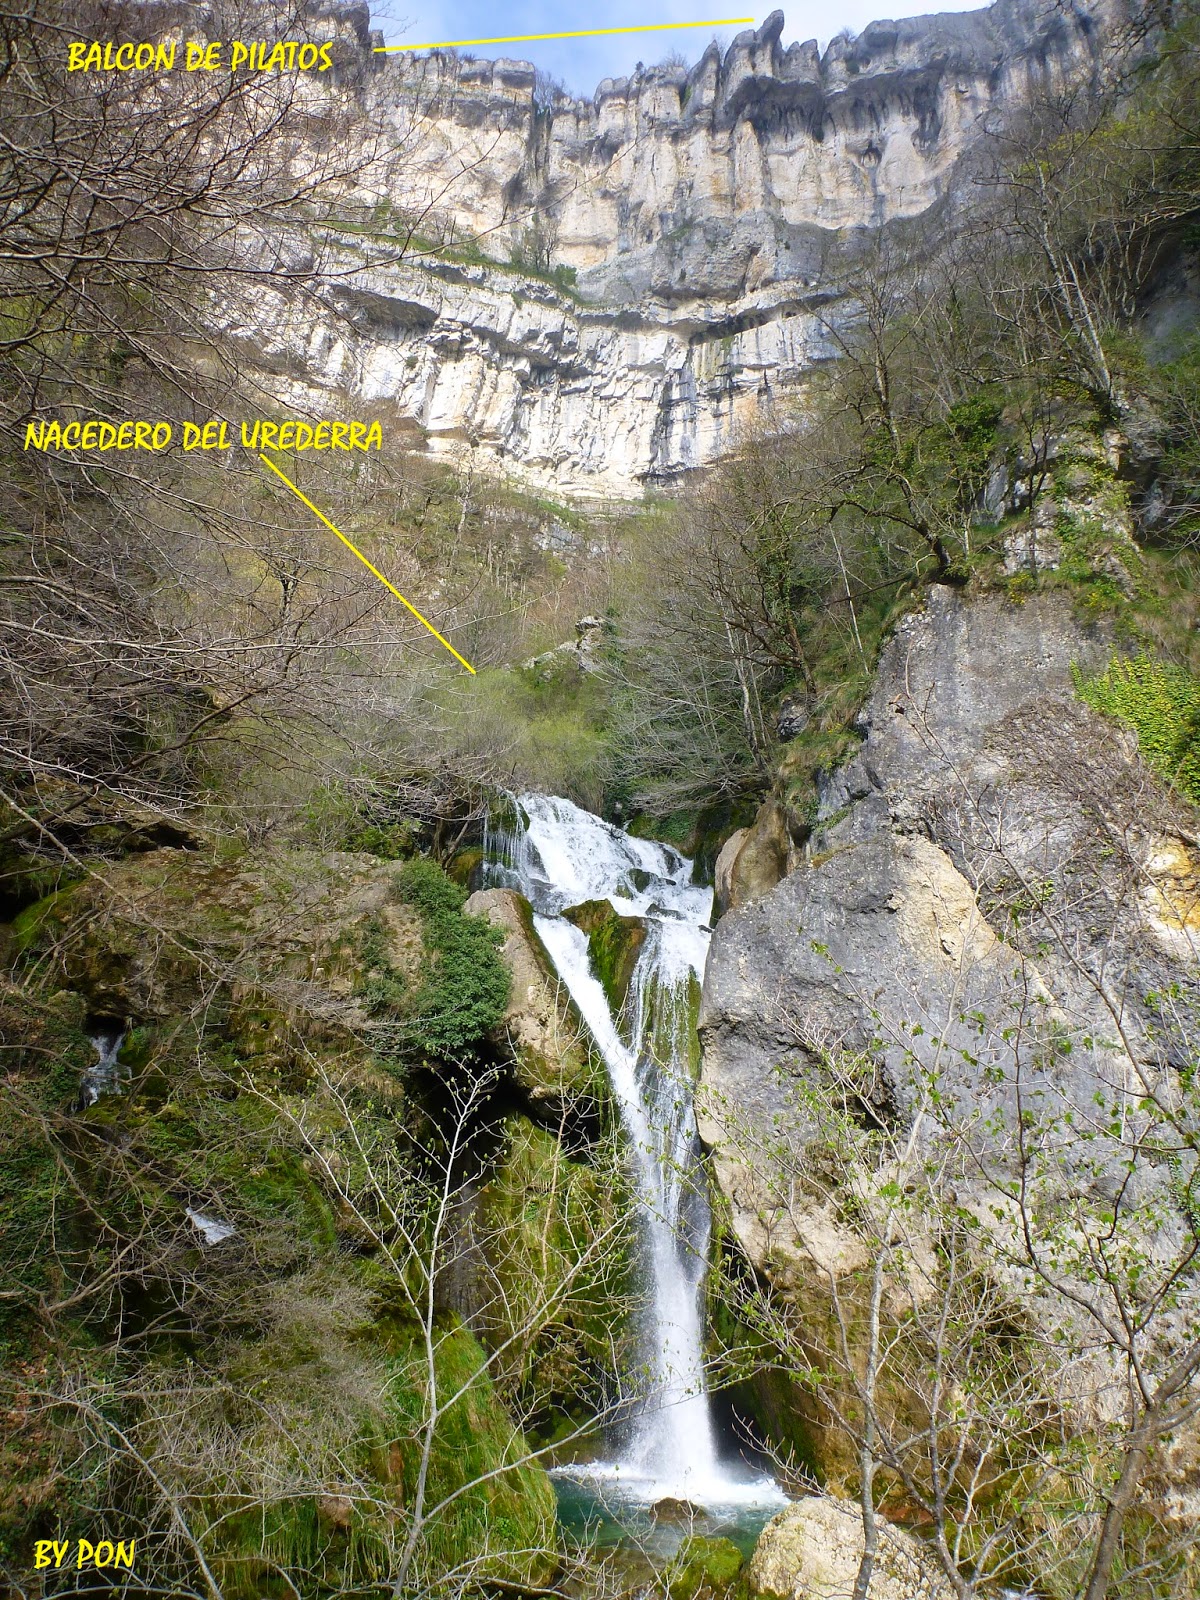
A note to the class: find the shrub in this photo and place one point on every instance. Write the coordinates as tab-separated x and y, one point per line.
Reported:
464	983
1162	703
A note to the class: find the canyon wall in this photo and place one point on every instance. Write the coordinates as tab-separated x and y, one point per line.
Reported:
601	292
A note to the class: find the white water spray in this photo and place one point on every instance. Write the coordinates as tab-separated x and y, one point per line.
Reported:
108	1074
558	857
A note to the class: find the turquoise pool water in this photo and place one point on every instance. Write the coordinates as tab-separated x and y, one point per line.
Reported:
597	1513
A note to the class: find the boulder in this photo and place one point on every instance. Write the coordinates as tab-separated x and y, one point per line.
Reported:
614	943
723	873
812	1551
705	1567
753	859
670	1509
550	1056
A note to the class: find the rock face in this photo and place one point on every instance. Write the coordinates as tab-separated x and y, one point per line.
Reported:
752	860
812	1551
551	1063
707	219
990	872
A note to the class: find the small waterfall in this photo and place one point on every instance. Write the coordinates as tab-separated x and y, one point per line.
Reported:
107	1074
558	856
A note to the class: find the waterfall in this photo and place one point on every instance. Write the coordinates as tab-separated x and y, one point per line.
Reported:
108	1073
558	856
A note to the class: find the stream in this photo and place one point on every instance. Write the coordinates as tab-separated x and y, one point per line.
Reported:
559	856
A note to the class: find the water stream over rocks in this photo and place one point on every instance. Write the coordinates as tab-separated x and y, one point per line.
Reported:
108	1074
559	856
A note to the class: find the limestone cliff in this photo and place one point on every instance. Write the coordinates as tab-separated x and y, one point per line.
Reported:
993	838
707	218
992	928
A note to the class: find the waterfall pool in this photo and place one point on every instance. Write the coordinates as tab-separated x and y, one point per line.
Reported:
599	1514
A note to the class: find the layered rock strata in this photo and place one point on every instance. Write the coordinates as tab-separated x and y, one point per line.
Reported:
708	218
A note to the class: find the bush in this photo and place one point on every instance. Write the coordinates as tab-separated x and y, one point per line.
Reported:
1162	703
464	983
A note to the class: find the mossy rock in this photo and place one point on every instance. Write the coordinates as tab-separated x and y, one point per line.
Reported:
705	1567
464	866
554	1063
614	943
546	1219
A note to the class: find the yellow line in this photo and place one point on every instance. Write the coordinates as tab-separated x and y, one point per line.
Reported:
582	33
355	551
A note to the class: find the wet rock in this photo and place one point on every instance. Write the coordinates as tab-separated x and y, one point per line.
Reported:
669	1509
614	941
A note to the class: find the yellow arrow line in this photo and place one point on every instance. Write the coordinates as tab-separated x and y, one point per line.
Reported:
582	33
353	549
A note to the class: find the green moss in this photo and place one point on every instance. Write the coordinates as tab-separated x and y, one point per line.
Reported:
1162	703
614	944
35	925
274	1344
704	1568
506	1519
558	1229
463	866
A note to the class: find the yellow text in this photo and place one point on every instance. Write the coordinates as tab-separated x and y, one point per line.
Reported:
96	435
104	1553
318	436
85	56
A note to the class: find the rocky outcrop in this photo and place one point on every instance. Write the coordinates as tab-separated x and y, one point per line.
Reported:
601	292
547	1043
143	936
752	860
812	1551
707	184
987	876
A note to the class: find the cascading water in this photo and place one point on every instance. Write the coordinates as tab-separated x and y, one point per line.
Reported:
559	856
108	1073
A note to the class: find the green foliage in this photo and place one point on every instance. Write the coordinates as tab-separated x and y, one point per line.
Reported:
392	841
464	984
1162	703
972	427
552	722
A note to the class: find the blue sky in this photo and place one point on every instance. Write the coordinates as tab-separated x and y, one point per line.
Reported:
581	63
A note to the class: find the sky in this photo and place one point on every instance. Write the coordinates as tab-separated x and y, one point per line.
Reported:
581	63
